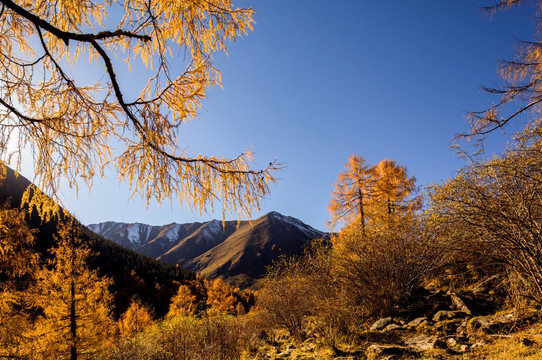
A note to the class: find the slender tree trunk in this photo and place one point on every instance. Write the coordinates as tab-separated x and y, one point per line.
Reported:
361	209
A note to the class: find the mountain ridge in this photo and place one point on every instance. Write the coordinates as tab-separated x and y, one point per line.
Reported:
237	251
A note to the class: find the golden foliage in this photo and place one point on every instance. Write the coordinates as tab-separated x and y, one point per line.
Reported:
497	204
183	303
135	320
17	258
363	191
78	126
522	88
75	303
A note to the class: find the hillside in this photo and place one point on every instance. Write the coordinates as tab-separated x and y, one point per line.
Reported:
133	274
237	252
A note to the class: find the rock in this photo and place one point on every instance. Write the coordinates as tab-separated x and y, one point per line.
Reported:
377	351
463	348
392	327
451	343
422	342
444	315
381	324
459	305
416	322
495	323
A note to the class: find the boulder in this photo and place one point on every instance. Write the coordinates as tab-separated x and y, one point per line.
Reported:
381	324
416	322
495	323
459	305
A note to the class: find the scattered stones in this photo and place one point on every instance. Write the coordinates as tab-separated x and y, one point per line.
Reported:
381	324
377	351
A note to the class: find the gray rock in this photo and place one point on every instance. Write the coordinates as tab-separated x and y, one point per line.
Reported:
444	315
422	342
495	323
381	324
377	351
459	305
416	322
392	327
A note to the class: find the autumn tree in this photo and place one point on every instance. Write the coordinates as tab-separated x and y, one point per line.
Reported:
18	265
363	191
136	319
75	302
352	192
497	202
183	303
393	188
77	126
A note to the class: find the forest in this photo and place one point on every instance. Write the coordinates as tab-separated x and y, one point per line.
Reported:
452	270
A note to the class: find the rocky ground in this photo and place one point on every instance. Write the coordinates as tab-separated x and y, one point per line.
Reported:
439	325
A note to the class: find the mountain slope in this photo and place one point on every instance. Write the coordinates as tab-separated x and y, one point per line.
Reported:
237	252
134	275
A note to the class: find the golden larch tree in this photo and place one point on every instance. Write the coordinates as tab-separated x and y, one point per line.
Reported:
75	301
392	188
183	303
18	265
78	126
353	191
137	318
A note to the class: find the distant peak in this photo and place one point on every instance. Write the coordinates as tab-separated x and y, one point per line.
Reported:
275	214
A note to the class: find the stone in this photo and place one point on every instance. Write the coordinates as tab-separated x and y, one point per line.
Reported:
392	327
377	351
495	323
451	343
459	305
381	324
416	322
444	315
422	342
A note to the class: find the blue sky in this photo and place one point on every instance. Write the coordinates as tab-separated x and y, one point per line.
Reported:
317	81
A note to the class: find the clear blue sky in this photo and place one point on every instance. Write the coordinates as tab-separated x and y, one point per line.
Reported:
317	81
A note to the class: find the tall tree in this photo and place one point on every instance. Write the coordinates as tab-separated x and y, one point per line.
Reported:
364	191
75	301
352	193
393	187
77	126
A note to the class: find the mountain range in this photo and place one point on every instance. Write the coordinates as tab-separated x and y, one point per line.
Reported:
238	252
